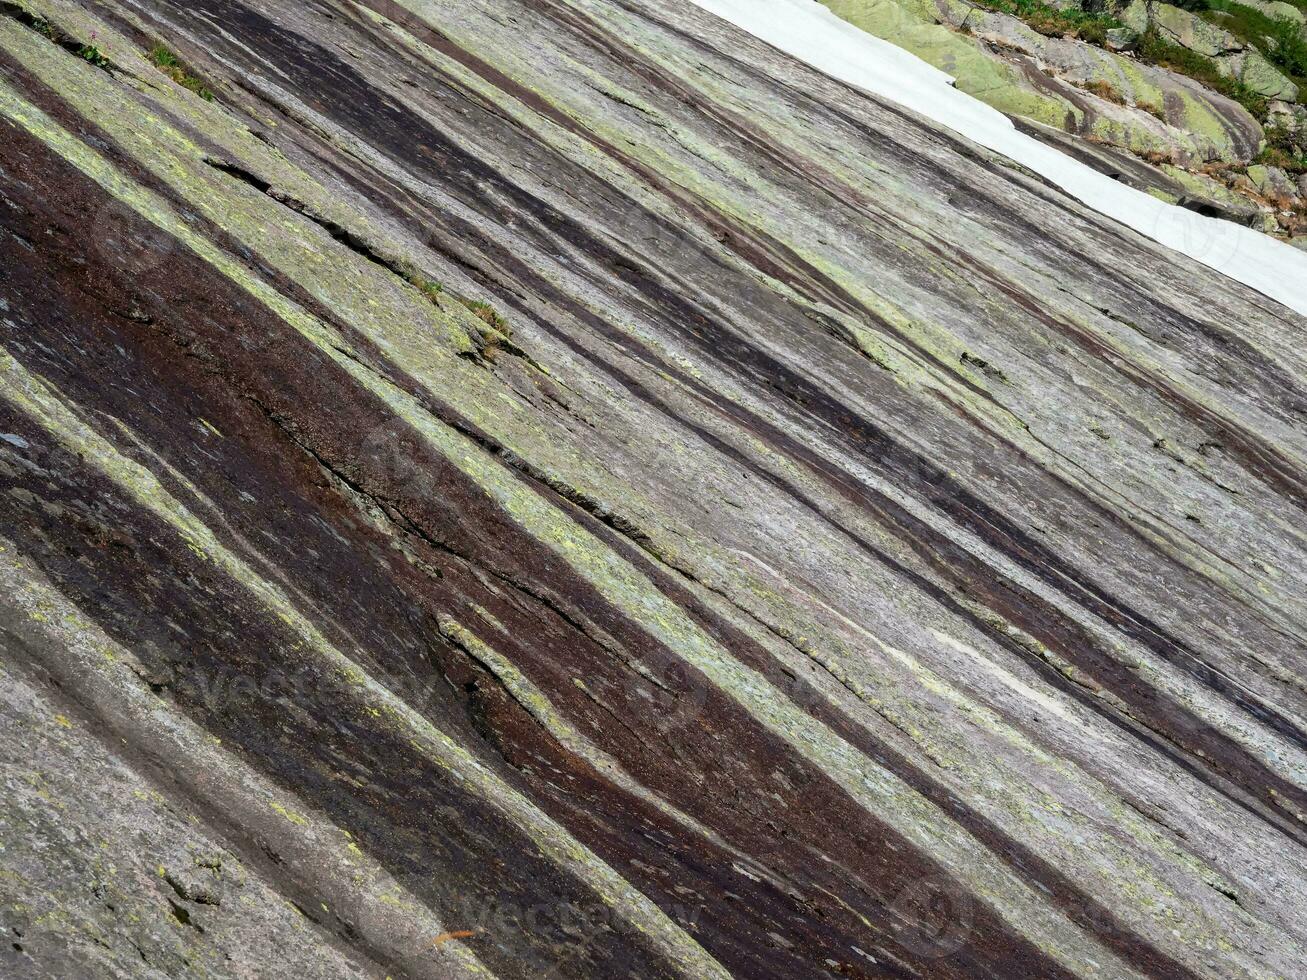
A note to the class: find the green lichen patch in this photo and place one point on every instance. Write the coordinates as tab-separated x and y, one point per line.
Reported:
87	50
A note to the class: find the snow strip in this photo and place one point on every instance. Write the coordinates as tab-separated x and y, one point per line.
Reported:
808	31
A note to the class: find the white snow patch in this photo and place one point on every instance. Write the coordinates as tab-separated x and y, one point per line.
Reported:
808	31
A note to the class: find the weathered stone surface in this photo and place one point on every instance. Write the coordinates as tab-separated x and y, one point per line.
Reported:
1120	38
1272	182
1190	31
1133	14
1198	124
1175	185
1097	93
1259	75
1169	183
1000	60
1288	116
1276	9
103	875
1209	196
851	556
1232	56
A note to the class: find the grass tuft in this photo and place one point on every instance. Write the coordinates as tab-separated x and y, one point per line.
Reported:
487	314
427	287
168	63
1105	90
1283	151
1052	22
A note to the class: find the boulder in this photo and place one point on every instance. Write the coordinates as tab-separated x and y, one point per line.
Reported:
1269	225
1132	13
1258	75
1276	9
1120	39
1272	182
1289	117
1302	185
1190	31
1209	196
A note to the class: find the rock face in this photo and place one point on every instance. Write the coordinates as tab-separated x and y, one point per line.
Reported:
1118	100
1277	10
1289	117
1104	92
1232	56
1063	82
1272	182
1134	14
1190	31
1259	75
554	487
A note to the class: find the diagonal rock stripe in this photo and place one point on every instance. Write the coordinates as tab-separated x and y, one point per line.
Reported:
839	554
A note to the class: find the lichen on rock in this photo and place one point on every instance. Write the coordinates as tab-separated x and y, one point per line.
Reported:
515	489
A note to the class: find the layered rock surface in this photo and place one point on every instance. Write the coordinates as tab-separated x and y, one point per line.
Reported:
1107	94
836	553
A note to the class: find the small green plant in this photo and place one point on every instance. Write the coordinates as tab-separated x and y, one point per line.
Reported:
487	314
1290	52
1273	156
1052	22
483	311
90	53
168	63
411	275
1283	150
28	19
427	287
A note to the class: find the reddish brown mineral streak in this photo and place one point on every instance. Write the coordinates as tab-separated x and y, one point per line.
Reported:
711	331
